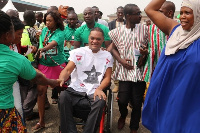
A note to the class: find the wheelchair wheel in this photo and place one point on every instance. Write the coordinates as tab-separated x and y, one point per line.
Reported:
109	112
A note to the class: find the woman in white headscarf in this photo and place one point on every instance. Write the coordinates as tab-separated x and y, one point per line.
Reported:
172	103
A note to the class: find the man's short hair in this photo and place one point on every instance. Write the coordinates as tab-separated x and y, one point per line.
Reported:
128	9
40	14
95	7
170	6
120	7
28	15
101	13
97	29
72	13
12	12
54	8
69	9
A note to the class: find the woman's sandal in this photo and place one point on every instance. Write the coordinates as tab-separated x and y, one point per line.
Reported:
37	127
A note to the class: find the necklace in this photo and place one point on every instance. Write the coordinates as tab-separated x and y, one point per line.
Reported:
46	39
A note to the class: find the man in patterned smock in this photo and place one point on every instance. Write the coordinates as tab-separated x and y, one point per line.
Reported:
129	40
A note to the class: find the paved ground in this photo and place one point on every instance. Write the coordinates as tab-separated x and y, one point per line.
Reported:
52	120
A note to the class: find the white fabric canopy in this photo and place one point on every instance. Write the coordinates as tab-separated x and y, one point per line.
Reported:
9	5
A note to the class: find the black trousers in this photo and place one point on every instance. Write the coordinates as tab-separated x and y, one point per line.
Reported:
54	93
70	98
133	92
29	95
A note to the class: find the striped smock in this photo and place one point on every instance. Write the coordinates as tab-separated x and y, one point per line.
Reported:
157	41
127	42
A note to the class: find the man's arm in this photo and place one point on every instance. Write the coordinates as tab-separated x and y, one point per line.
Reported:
65	73
105	83
144	46
77	44
107	44
113	49
77	39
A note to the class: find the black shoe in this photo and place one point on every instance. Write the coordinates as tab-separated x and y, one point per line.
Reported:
121	123
47	105
33	115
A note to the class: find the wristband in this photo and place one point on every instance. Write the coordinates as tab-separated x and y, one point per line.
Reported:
44	49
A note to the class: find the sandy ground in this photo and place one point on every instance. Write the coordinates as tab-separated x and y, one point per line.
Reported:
52	120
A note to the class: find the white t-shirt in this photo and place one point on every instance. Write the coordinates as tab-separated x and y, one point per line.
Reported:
100	21
13	47
90	68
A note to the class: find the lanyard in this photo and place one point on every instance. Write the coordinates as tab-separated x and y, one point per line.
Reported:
46	39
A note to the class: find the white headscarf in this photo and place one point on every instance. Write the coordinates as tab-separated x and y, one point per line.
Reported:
181	39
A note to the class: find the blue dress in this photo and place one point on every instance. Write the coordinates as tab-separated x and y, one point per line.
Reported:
172	104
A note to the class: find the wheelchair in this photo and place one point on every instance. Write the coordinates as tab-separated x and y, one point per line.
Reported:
82	111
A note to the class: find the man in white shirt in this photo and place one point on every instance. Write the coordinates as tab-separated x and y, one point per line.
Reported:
90	69
97	14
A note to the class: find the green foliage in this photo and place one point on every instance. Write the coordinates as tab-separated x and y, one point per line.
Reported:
80	17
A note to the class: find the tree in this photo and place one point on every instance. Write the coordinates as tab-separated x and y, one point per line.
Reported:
80	17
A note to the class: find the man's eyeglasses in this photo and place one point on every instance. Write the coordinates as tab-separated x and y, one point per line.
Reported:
138	13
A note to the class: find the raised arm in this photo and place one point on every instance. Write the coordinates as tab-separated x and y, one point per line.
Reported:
164	23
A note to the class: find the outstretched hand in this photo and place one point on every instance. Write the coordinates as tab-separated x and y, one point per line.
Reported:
126	63
62	81
100	94
54	83
34	49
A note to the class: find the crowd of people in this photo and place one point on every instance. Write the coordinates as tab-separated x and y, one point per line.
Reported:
155	64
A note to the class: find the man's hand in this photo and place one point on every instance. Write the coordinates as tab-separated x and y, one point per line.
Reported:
34	49
55	83
62	81
126	63
78	25
143	50
100	94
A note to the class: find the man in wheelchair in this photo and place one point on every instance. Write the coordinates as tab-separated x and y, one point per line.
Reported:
90	69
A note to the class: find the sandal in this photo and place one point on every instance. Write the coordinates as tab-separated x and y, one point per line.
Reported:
37	127
54	101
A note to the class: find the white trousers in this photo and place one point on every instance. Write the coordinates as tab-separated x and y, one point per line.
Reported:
17	98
